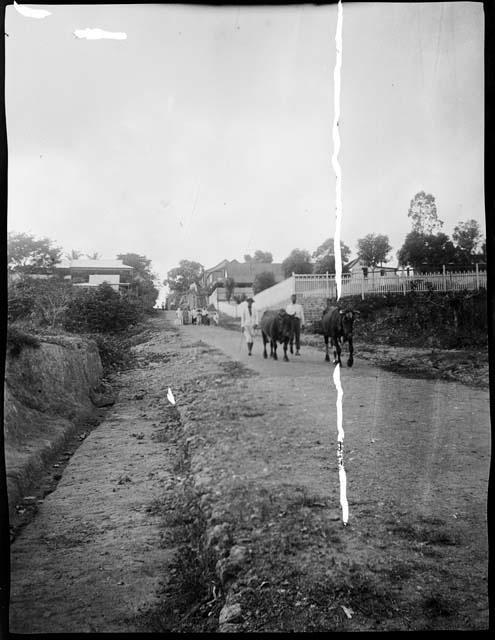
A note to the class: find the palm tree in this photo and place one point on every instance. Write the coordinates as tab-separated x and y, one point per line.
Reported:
74	254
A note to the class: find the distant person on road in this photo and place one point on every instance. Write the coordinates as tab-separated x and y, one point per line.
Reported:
180	317
215	318
295	309
249	322
194	316
204	316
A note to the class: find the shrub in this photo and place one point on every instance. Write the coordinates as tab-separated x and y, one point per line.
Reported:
453	318
43	301
18	339
115	352
101	310
263	280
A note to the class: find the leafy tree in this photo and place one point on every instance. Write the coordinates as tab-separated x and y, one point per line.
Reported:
180	278
423	213
373	249
427	252
27	253
93	256
467	236
483	251
324	256
262	256
263	281
229	284
259	256
298	261
142	279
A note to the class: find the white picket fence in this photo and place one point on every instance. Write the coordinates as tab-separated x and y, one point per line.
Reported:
324	285
400	282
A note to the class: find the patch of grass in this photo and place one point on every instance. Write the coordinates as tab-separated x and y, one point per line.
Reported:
190	599
236	369
424	535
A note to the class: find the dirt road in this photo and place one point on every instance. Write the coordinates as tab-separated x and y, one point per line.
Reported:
260	443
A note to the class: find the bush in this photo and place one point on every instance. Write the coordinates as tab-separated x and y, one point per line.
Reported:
43	301
115	352
452	319
20	300
101	310
263	280
18	339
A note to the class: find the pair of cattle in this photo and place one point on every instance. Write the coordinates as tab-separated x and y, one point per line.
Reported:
337	325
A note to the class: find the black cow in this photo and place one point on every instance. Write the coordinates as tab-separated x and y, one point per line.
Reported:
276	326
338	324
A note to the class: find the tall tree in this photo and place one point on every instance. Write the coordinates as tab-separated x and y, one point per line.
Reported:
93	256
324	256
423	213
142	279
259	256
26	253
427	252
373	249
180	278
262	256
263	281
298	261
229	284
467	236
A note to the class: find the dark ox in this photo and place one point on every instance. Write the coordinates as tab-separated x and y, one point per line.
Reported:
338	325
276	326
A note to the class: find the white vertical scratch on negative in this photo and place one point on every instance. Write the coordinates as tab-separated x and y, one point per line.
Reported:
338	258
336	148
340	446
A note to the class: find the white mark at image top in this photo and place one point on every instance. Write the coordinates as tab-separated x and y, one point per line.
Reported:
27	12
99	34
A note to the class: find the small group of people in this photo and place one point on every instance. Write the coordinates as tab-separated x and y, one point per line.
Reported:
185	315
200	316
250	321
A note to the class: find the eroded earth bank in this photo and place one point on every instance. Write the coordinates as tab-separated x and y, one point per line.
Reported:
222	513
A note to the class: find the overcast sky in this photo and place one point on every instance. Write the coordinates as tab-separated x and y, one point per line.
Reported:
207	133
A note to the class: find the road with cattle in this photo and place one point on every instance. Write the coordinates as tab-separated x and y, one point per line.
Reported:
259	434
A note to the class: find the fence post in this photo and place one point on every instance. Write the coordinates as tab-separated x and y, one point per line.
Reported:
362	286
293	282
444	278
477	277
327	286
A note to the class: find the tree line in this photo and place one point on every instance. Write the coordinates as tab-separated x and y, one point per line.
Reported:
27	255
425	248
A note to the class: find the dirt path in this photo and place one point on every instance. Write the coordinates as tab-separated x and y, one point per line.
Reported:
93	556
260	444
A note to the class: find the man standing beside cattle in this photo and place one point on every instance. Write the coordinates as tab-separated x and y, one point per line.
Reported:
296	310
249	322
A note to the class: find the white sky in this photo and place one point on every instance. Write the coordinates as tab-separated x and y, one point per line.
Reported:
207	133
